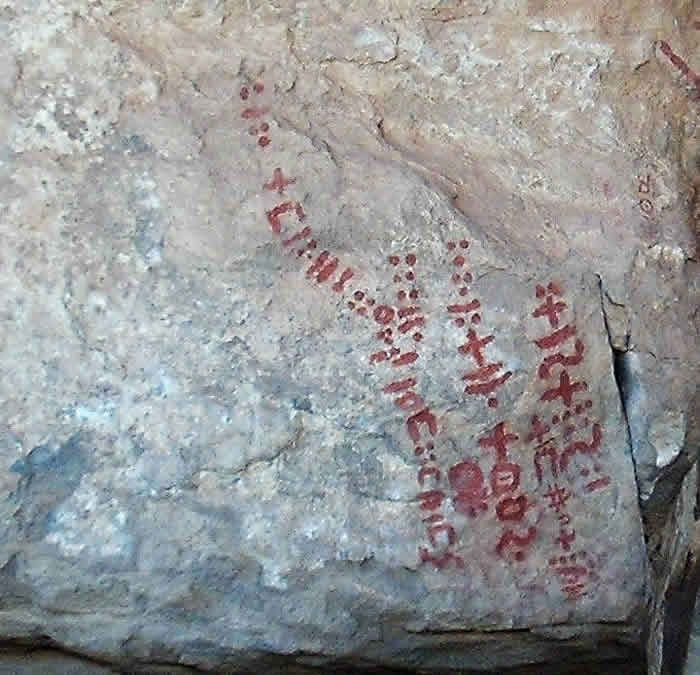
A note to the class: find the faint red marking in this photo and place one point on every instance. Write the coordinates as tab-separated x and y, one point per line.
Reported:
492	403
411	324
475	345
407	311
464	309
431	499
538	430
324	266
345	276
428	471
410	401
441	561
557	337
550	452
680	64
254	113
565	390
443	527
505	477
302	234
245	93
597	484
423	417
279	181
582	447
400	385
467	480
464	243
410	259
551	310
489	387
405	359
484	371
383	314
512	508
558	497
521	542
545	369
566	538
499	441
459	260
258	87
575	570
263	141
273	215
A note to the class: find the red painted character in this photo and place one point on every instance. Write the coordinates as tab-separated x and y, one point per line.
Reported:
467	480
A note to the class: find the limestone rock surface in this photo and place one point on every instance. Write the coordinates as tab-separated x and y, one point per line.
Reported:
347	334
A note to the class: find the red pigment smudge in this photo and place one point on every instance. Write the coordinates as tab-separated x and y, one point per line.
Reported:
410	259
263	141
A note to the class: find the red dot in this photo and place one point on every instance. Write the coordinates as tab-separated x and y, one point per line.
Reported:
263	141
588	404
451	245
467	277
264	127
459	261
258	87
358	295
417	337
410	276
460	321
402	295
464	243
244	93
492	403
397	278
394	259
413	294
464	290
476	318
456	278
253	131
410	259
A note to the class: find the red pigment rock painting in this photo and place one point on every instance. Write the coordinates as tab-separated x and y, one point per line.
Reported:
255	112
564	443
465	311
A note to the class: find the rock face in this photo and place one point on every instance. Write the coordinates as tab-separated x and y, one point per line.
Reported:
359	336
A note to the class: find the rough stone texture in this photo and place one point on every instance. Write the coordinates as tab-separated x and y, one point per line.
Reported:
203	456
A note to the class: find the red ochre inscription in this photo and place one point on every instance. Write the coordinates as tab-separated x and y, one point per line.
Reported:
565	456
562	455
